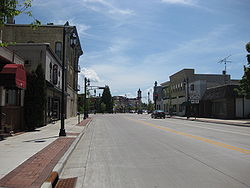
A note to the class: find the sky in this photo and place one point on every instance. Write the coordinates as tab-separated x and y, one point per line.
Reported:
130	44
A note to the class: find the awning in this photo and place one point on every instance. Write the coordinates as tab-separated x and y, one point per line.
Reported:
13	75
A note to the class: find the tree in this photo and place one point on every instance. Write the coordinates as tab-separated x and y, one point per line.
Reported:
245	81
35	99
11	8
107	100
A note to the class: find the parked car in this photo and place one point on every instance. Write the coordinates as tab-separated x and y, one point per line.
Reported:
158	114
139	112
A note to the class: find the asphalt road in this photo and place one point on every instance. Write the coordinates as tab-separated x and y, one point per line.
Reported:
130	150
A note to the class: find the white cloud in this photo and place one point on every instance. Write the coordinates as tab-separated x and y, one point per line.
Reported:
119	45
81	28
105	7
90	74
183	2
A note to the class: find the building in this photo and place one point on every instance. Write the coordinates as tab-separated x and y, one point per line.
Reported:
41	53
64	41
12	86
224	102
185	89
124	105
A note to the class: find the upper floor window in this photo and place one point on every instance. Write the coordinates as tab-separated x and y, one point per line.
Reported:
192	87
55	74
58	49
50	71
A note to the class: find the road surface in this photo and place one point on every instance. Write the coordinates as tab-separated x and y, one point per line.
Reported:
131	150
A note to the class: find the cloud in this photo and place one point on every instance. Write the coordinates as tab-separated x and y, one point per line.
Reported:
120	45
81	28
90	74
182	2
105	7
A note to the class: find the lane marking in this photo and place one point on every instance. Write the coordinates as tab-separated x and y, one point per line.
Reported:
220	144
245	134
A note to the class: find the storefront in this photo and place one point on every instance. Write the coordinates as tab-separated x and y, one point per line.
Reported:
12	86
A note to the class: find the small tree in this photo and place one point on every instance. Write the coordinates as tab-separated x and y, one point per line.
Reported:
107	100
103	107
35	99
245	81
11	8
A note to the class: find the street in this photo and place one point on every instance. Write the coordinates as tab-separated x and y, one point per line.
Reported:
131	150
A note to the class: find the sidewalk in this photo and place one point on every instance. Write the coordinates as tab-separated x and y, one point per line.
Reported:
238	122
27	159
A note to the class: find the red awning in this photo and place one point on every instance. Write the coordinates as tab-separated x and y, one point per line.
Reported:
13	75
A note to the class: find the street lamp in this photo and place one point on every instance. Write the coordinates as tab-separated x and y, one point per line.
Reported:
73	41
62	130
86	84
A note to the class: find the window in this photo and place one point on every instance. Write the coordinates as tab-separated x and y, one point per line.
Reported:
50	71
58	49
192	87
13	97
27	62
55	74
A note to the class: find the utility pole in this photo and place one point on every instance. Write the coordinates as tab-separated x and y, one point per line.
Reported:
155	94
186	82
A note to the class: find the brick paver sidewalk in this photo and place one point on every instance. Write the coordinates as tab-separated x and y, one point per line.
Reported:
34	171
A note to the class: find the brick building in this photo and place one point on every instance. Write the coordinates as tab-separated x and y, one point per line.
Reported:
58	37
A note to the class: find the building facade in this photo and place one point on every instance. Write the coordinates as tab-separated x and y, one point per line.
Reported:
41	53
65	43
185	89
12	86
224	102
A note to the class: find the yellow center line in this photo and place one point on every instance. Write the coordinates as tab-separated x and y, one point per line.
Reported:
220	144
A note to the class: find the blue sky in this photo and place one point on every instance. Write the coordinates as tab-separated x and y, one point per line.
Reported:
131	44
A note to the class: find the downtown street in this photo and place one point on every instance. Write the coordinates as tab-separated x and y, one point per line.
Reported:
131	150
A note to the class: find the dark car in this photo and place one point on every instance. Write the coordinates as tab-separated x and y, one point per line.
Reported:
158	114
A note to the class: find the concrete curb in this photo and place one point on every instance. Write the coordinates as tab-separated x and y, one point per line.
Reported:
57	170
218	122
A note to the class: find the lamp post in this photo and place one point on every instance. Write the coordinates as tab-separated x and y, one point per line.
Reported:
73	41
62	129
86	83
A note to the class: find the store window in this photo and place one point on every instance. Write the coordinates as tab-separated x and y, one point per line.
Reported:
13	97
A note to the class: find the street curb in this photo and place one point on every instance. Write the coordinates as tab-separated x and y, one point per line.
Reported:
207	121
57	170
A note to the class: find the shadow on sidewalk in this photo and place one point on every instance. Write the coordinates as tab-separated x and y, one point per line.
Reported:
41	139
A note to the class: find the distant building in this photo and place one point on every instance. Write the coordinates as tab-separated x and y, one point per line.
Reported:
54	36
124	105
186	89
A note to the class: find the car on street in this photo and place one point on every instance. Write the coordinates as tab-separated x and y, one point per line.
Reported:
158	114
